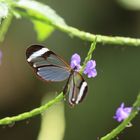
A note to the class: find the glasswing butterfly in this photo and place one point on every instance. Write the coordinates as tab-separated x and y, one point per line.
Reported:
50	67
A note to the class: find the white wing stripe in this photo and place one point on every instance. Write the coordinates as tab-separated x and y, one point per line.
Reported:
83	86
37	54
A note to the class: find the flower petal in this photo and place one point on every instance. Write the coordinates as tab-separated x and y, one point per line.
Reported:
75	62
90	69
122	113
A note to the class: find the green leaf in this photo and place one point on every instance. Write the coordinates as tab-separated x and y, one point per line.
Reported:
3	10
52	121
43	30
39	10
43	17
4	26
130	4
16	14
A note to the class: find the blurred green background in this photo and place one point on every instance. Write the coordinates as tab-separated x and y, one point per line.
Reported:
118	71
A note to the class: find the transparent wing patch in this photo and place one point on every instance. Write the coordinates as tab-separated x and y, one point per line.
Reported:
51	73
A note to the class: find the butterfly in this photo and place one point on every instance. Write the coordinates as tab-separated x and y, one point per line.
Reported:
50	67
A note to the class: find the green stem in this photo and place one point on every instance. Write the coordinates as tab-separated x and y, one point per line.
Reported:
124	124
4	27
110	40
89	55
34	112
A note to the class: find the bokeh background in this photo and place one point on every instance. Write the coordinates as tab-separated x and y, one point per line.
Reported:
118	71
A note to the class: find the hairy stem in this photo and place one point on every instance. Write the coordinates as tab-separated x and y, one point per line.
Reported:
110	40
89	55
34	112
123	125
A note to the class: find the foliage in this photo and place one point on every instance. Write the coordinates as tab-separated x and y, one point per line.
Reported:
3	10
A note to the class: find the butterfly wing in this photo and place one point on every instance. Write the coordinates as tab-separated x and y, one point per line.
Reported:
47	65
76	88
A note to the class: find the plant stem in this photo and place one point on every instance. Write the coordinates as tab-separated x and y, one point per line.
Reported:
89	55
34	112
110	40
123	125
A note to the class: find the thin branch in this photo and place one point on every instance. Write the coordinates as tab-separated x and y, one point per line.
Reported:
124	124
89	55
110	40
32	113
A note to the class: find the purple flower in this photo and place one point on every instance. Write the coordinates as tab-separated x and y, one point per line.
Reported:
90	69
90	66
0	56
75	62
122	113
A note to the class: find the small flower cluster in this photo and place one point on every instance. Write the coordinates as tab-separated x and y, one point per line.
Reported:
122	113
89	70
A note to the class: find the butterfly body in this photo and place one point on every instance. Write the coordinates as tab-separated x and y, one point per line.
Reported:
50	67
